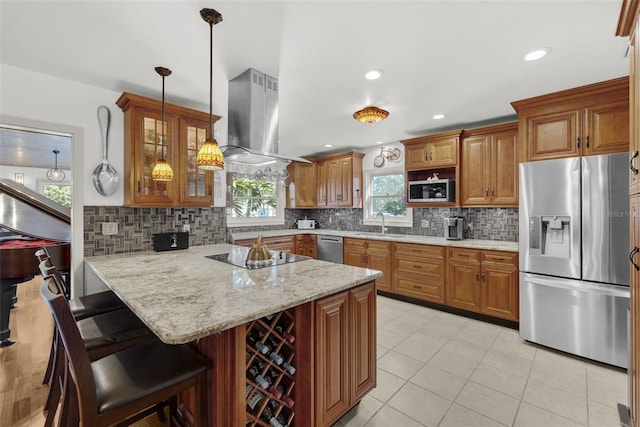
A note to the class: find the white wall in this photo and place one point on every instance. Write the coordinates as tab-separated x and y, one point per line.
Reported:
31	175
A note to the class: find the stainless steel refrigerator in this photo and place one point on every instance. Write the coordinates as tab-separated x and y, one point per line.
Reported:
574	246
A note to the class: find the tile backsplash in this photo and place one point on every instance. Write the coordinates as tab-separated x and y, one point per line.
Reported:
486	223
136	226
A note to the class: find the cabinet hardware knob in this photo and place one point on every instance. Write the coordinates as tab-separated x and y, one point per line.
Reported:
139	187
634	170
417	287
477	275
464	255
631	255
431	156
578	142
493	192
498	259
417	266
486	191
483	276
587	141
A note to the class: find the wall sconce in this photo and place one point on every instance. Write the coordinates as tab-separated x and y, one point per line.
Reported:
19	178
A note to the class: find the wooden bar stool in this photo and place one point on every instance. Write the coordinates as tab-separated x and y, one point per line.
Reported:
102	334
84	306
125	386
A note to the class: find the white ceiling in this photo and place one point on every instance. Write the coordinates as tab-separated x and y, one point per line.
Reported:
460	58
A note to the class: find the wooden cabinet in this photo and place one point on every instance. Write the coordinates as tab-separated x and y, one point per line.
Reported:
584	121
489	164
345	365
463	281
419	271
371	254
278	243
634	363
629	25
431	151
333	181
634	107
306	245
185	130
303	177
484	281
321	186
343	184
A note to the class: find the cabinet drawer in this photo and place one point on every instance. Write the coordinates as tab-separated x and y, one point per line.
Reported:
420	250
502	257
462	254
353	244
432	272
418	289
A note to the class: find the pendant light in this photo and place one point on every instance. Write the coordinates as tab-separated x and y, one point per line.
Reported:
209	156
162	170
55	174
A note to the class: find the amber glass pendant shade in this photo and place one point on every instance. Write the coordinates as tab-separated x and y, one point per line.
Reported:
210	157
370	115
162	171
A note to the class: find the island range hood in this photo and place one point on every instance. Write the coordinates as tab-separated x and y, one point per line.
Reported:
253	120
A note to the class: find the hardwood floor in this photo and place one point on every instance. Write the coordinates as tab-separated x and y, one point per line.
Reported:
22	365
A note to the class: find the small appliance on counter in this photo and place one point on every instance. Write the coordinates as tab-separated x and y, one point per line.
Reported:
454	227
170	241
306	224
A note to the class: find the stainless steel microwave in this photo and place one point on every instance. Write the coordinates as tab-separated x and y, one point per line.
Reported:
433	190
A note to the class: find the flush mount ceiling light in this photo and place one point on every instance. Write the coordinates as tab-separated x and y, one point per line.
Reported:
370	115
438	116
162	170
537	54
209	156
55	174
373	75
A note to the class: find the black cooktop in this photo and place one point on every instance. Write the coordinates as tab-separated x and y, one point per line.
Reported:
238	256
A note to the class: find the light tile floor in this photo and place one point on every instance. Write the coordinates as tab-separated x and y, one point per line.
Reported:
440	369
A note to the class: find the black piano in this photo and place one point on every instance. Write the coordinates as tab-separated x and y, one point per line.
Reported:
28	221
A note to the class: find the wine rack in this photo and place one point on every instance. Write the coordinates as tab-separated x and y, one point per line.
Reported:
270	371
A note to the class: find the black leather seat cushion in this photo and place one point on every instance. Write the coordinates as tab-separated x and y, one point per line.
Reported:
90	305
110	328
142	370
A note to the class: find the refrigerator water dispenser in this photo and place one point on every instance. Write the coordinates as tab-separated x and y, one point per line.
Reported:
550	236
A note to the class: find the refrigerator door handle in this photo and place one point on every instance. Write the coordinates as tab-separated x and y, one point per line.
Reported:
634	170
631	255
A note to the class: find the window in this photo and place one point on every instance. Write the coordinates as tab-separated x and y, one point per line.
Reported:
59	192
386	194
255	201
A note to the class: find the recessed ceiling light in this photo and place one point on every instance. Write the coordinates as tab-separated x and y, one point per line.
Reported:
328	145
537	54
373	75
438	116
379	142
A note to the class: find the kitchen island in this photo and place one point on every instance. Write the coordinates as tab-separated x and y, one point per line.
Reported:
183	297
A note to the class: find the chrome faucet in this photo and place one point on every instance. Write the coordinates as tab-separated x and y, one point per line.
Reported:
383	227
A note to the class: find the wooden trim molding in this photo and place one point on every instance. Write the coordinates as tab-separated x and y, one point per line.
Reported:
629	13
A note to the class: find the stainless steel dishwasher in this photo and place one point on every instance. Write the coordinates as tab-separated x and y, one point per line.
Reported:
329	248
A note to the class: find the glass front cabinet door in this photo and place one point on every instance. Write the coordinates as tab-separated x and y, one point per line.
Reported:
183	134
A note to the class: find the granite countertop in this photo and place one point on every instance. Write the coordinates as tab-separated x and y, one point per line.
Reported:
182	296
496	245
